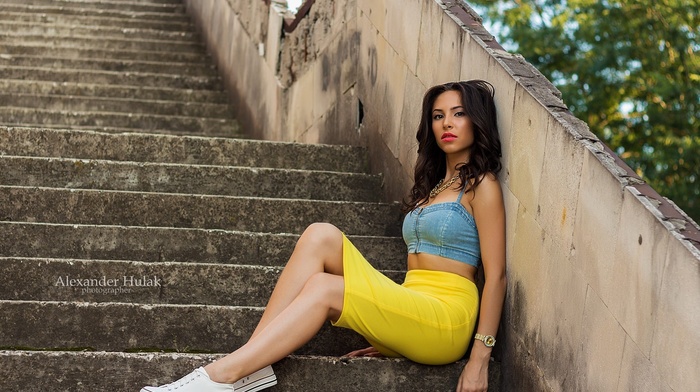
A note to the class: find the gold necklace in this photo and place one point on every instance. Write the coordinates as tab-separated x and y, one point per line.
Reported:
439	187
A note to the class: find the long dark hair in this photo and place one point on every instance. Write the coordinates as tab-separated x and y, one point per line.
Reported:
485	153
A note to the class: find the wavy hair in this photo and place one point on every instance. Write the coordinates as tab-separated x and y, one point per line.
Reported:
484	154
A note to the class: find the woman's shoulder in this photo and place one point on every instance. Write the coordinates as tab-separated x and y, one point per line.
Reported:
491	180
488	192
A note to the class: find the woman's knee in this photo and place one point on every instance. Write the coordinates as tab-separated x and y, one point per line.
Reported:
323	237
322	232
327	290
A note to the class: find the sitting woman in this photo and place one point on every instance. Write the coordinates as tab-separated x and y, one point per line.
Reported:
455	220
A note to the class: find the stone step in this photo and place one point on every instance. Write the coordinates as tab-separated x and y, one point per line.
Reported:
188	179
163	244
58	50
169	7
136	121
112	78
18	16
62	9
178	149
118	130
127	372
81	30
116	326
52	205
104	43
102	91
110	281
114	105
124	66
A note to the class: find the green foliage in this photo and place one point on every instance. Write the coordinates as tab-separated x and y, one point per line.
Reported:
628	68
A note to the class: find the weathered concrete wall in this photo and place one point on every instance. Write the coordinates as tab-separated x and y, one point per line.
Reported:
604	274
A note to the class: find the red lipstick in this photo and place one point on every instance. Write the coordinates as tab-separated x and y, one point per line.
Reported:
448	137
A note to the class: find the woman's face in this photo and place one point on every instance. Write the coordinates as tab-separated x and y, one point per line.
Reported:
452	129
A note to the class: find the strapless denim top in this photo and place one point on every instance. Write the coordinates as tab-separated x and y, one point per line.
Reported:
443	229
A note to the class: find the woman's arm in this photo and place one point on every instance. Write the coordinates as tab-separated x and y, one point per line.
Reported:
489	214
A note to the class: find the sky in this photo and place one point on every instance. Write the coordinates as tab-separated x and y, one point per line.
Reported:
294	5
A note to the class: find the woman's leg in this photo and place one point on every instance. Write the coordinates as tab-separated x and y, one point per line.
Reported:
309	291
319	249
320	299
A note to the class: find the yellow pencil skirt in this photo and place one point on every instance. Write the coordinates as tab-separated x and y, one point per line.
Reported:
428	319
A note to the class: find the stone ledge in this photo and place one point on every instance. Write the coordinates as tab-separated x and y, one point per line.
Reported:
122	327
68	29
161	6
42	279
136	79
136	121
161	244
62	10
54	205
121	372
103	91
188	149
190	179
115	105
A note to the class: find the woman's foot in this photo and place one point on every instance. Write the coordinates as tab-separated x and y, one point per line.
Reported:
199	381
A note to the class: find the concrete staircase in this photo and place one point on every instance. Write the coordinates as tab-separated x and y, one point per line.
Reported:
140	233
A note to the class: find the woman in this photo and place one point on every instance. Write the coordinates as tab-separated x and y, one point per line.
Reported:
455	220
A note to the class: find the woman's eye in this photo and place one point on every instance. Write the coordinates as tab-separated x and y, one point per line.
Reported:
460	114
437	116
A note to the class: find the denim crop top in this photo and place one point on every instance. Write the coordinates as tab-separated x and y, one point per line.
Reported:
443	229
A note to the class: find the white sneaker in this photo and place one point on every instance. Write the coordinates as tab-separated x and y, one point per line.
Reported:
263	378
199	381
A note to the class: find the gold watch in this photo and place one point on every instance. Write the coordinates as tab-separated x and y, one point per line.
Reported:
489	341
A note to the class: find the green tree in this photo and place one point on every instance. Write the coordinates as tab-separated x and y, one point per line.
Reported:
629	68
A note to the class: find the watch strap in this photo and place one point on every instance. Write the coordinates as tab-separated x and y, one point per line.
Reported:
488	340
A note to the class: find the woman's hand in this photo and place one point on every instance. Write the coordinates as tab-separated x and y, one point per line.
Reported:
474	378
365	352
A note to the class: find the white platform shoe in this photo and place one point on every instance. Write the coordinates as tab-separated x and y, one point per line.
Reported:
199	381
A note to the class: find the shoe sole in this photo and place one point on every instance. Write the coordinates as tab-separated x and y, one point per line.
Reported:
262	379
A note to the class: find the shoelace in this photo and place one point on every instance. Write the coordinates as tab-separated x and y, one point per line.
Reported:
183	381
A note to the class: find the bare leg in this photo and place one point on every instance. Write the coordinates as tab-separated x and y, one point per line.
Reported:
308	292
320	299
319	249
